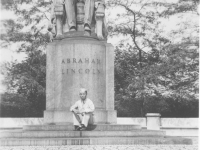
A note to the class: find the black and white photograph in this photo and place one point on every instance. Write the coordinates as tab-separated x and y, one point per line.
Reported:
99	74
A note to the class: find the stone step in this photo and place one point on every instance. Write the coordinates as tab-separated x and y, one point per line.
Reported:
99	127
93	141
66	134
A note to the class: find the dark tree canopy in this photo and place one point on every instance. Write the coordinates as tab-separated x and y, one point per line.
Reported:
27	78
163	79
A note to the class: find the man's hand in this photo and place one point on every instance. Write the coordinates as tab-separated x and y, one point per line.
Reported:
79	112
76	111
82	111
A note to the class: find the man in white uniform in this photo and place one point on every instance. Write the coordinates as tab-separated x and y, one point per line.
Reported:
82	111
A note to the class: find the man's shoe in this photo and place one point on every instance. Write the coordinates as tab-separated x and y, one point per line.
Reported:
77	128
82	128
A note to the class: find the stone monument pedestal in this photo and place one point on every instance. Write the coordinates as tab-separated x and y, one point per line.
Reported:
74	62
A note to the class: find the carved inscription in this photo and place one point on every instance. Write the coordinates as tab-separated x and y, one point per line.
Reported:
87	61
80	61
81	71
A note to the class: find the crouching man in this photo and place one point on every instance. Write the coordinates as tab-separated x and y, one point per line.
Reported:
82	111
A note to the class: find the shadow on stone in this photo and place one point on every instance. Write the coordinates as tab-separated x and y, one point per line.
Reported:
91	127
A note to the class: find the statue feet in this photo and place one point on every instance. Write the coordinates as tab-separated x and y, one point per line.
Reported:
99	27
59	33
87	30
73	28
100	36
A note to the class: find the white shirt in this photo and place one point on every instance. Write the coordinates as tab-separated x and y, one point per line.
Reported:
85	106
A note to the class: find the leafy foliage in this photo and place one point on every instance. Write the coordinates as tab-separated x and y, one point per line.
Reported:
163	79
27	78
169	86
183	6
13	105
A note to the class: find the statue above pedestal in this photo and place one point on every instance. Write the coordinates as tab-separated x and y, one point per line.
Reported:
87	16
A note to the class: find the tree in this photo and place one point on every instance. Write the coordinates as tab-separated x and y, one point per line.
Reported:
152	75
14	105
139	24
183	6
171	85
27	78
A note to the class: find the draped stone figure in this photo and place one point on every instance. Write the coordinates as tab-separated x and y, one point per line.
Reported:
78	15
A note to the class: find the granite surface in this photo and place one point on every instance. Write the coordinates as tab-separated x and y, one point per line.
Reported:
105	147
126	120
75	63
153	123
19	122
165	122
180	122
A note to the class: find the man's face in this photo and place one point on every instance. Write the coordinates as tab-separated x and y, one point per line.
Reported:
83	95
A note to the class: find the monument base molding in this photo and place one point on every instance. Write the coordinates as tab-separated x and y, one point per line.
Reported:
97	134
65	116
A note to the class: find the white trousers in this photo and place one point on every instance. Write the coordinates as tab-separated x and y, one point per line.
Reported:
79	119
